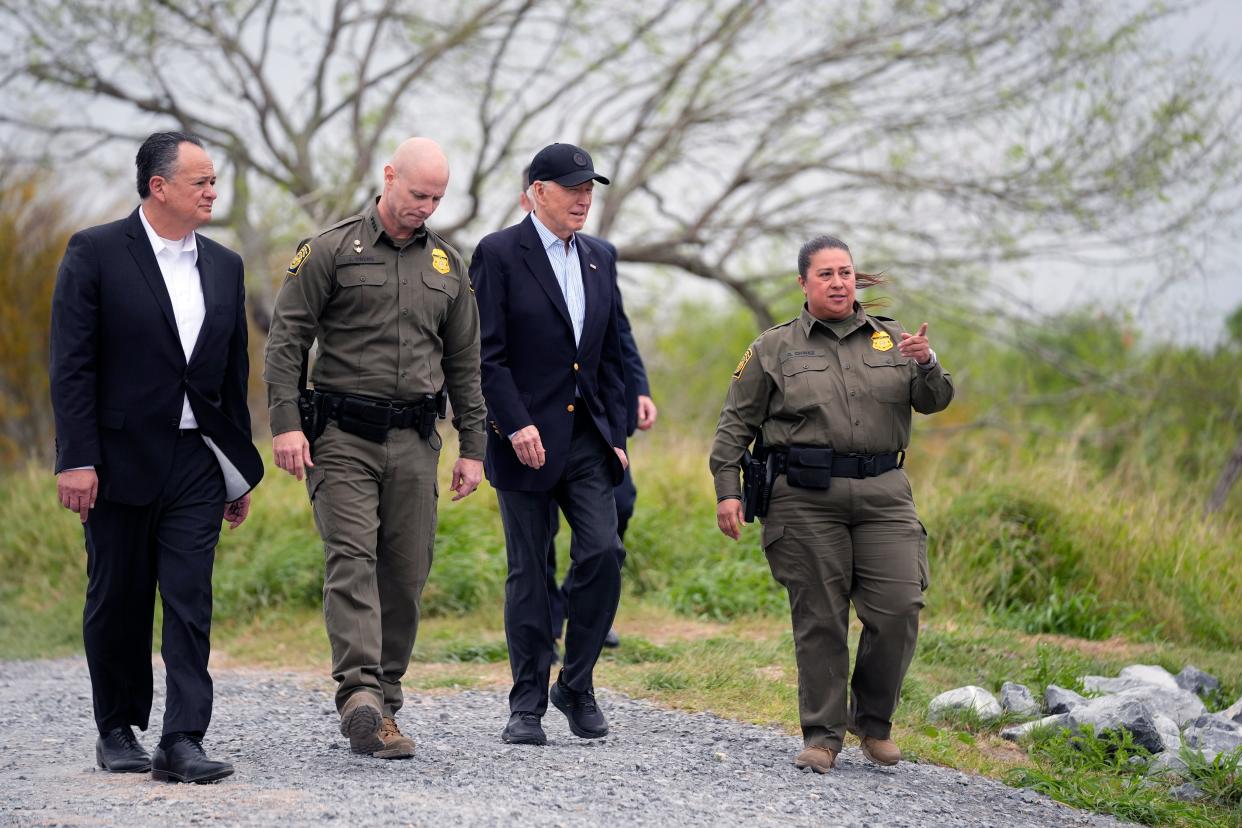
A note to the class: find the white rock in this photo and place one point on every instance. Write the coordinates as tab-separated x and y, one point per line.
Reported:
1170	734
1119	712
1015	732
1150	673
1017	698
1180	705
964	698
1060	700
1233	711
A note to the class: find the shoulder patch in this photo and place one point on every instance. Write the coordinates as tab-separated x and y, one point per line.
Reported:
741	366
299	259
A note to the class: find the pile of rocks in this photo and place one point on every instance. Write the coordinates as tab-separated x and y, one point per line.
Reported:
1162	711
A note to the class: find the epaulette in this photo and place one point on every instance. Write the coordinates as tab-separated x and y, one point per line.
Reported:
881	318
350	220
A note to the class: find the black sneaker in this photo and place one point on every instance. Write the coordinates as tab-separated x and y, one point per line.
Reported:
118	751
586	720
524	729
180	758
612	639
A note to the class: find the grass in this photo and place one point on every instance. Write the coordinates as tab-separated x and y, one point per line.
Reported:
1044	569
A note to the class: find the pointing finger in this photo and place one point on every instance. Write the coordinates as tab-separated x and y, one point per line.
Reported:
922	330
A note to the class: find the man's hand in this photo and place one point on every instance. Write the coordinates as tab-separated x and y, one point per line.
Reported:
729	517
467	475
529	447
625	461
292	452
77	489
236	511
916	345
647	412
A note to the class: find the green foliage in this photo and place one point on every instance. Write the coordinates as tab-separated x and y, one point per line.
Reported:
1219	778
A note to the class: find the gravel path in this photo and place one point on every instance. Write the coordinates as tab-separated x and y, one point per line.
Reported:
658	767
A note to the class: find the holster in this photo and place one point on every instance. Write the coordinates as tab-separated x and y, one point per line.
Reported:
757	477
310	412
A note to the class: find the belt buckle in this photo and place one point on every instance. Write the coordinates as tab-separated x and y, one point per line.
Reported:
866	466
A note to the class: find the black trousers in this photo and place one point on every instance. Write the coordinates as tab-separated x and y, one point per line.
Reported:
584	494
131	549
624	495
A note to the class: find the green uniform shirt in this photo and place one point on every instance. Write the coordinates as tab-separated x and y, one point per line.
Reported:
806	386
394	321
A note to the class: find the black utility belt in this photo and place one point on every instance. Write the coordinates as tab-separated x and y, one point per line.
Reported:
813	467
372	418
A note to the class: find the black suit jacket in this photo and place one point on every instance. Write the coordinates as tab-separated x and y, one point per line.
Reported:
119	373
530	364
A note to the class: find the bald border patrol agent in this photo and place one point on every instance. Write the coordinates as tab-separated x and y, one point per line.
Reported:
397	325
830	395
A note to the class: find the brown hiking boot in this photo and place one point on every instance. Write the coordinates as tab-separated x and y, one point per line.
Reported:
881	751
396	744
818	759
360	721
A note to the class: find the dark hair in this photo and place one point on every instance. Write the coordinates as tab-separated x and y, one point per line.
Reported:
526	178
862	280
158	156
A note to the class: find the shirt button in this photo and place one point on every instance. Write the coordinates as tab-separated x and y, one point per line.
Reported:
858	422
405	281
570	408
847	366
362	279
405	311
852	394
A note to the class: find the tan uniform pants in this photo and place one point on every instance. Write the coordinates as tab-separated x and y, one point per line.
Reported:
375	507
859	541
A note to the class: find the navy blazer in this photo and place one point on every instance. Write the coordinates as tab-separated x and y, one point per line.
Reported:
635	372
118	371
530	364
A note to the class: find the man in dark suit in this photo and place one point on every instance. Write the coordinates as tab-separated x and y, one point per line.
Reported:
148	378
640	414
552	380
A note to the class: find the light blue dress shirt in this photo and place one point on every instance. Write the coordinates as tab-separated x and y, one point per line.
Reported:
568	271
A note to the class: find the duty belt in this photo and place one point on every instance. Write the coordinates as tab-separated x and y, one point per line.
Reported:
812	467
372	418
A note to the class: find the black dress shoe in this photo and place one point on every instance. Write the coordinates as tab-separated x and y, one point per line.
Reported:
586	720
612	639
180	758
524	729
118	751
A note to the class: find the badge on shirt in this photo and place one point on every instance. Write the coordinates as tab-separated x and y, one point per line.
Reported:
439	260
741	366
299	259
881	341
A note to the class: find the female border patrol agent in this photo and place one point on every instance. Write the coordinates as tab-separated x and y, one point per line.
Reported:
830	393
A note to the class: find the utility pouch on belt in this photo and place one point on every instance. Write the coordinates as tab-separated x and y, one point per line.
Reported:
809	467
367	419
756	481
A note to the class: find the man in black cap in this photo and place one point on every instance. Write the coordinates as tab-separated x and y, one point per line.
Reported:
555	393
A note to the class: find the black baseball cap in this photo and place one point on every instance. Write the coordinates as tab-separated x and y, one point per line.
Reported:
565	164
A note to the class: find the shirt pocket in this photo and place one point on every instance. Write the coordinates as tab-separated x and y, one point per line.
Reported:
362	292
888	377
440	293
806	385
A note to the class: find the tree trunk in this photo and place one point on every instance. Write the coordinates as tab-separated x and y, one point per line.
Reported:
1231	472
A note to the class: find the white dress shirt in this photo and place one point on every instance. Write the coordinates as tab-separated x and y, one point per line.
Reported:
178	261
568	271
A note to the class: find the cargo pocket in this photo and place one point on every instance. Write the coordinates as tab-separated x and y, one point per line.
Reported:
924	567
316	477
780	560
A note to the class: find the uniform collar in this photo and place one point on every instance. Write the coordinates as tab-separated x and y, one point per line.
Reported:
373	229
808	322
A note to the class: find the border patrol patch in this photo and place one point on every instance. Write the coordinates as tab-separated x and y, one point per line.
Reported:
741	366
440	261
881	341
299	259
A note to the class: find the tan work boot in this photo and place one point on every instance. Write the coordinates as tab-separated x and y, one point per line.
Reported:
818	759
360	721
880	751
396	744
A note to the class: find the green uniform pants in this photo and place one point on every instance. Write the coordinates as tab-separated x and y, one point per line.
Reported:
375	507
859	541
